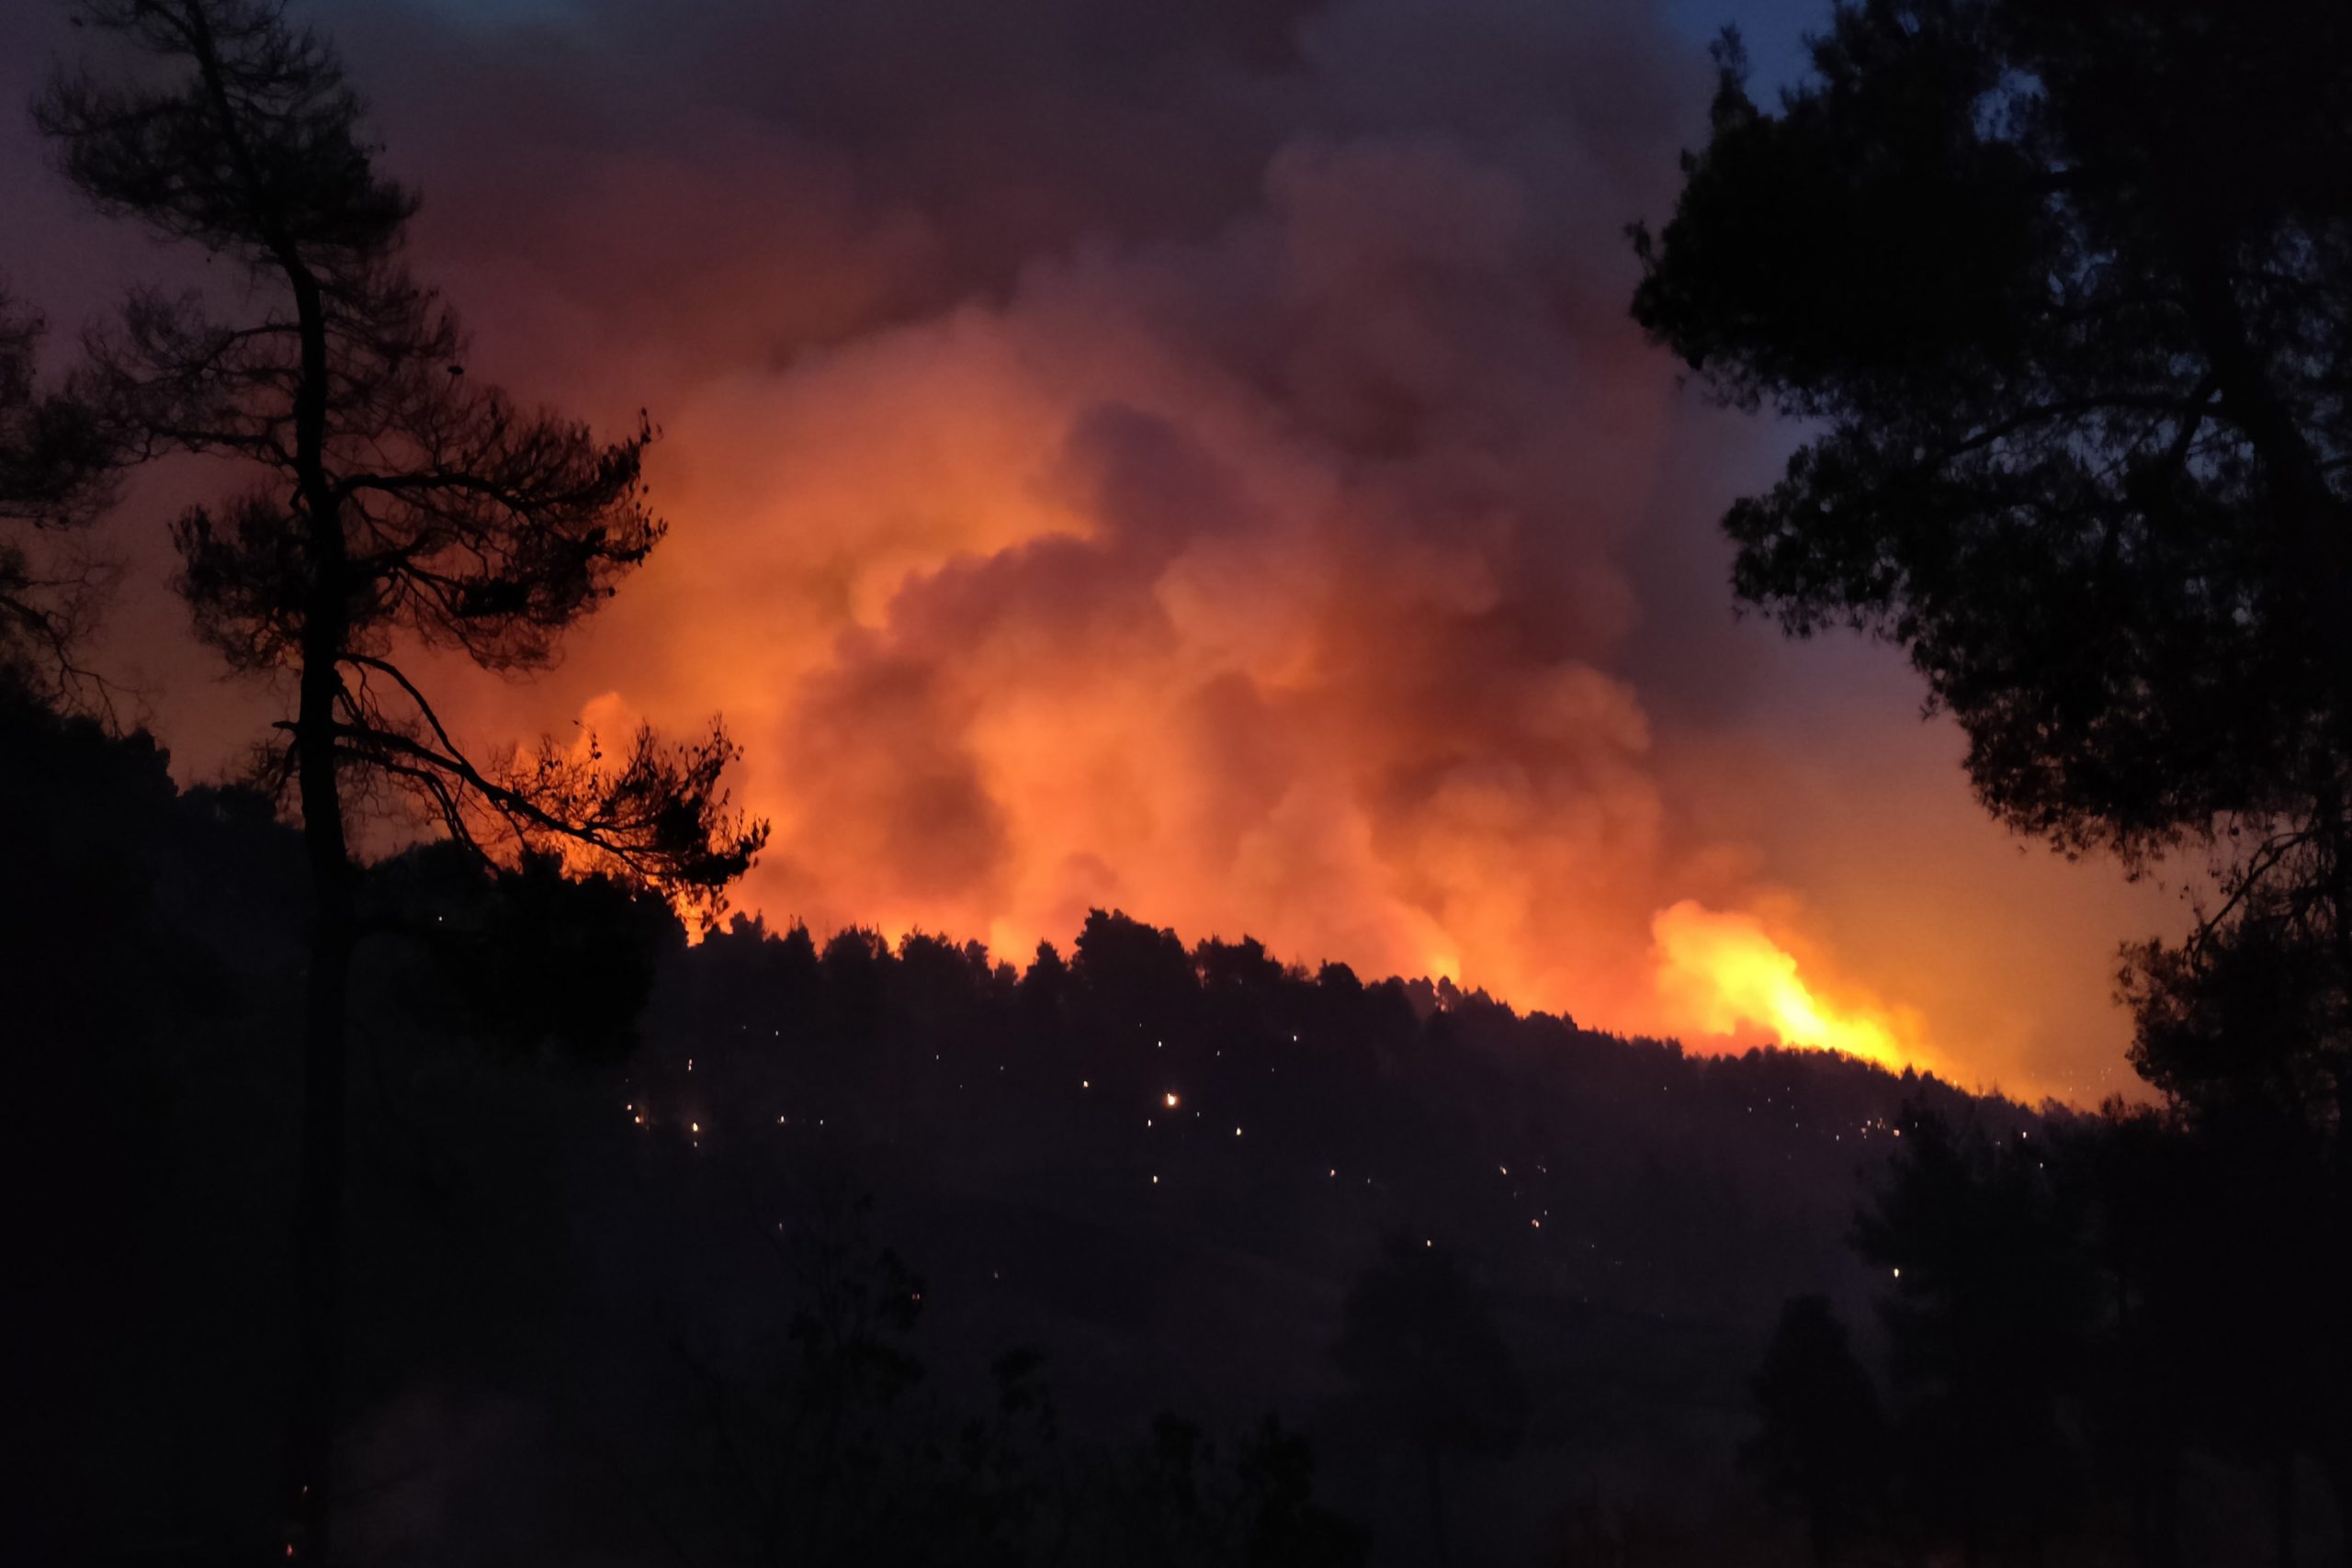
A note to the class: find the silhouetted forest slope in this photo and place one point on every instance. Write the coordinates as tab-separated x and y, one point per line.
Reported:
604	1182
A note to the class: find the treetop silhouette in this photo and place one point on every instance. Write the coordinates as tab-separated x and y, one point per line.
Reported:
2069	289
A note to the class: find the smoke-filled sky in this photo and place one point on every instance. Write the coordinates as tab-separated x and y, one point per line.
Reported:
1186	457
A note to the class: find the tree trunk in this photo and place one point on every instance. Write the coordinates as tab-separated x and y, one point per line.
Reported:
318	1219
318	1225
317	1210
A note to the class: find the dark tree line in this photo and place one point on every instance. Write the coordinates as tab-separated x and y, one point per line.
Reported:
518	1240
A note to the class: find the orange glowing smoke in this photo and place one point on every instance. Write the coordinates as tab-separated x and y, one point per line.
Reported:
1052	606
1272	584
1720	974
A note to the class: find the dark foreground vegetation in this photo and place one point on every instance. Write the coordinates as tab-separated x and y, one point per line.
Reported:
766	1249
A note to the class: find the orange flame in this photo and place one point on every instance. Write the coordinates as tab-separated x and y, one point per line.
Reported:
1719	971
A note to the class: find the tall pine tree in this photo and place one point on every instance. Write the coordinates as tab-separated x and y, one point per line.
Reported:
391	502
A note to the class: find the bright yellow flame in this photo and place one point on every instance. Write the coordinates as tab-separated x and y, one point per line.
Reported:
1717	971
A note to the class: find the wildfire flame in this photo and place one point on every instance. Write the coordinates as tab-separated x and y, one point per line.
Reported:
1719	972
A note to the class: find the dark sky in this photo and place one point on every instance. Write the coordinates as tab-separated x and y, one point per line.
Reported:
1189	458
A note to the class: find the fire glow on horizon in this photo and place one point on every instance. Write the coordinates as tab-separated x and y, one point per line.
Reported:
1720	973
1719	979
